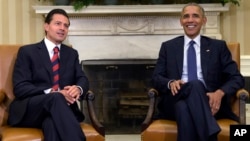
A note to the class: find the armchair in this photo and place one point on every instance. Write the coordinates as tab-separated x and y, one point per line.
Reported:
166	130
93	132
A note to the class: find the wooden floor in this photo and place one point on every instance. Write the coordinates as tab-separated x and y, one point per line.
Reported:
124	137
248	113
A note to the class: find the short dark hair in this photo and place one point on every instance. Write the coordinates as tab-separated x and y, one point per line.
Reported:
194	4
53	12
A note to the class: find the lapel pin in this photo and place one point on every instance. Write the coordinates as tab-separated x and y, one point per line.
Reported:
207	50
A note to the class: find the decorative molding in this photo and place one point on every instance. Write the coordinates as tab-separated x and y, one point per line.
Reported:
129	9
125	25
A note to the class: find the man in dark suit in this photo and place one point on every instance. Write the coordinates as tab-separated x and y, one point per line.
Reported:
195	101
38	101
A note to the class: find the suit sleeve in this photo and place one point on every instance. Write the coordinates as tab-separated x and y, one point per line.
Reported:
233	80
160	80
81	78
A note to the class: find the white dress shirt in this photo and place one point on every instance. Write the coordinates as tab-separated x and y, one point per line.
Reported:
197	47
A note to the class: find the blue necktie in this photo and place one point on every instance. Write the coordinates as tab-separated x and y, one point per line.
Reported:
55	65
191	62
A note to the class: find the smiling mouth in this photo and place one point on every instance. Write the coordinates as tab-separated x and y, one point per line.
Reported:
190	26
60	34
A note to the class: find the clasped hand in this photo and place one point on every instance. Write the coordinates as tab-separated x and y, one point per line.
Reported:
71	93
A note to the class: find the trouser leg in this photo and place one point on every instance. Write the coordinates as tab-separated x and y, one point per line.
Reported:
65	121
186	129
194	95
49	130
55	107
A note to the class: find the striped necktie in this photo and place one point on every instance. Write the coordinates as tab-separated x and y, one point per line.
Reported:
192	67
55	68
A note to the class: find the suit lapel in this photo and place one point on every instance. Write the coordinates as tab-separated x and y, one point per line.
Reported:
43	52
64	56
205	56
179	51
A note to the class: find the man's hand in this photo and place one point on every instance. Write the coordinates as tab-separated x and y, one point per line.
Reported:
215	100
71	93
175	86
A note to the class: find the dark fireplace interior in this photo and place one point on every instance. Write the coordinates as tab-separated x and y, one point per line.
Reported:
120	87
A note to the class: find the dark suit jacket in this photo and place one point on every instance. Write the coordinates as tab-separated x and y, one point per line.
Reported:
33	74
218	69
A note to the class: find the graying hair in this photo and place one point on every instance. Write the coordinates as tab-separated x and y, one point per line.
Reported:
194	4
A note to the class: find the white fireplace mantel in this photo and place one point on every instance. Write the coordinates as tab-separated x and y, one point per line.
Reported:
129	9
132	31
135	19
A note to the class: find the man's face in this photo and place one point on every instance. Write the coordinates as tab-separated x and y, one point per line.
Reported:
57	29
192	20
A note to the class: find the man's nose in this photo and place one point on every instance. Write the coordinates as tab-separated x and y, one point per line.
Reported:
190	19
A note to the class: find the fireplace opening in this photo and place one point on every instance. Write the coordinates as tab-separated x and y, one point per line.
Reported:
120	87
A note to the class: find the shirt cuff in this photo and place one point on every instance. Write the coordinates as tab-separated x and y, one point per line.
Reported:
47	91
169	83
79	87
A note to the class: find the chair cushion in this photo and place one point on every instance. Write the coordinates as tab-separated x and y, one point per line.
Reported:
225	130
90	133
21	134
160	130
33	134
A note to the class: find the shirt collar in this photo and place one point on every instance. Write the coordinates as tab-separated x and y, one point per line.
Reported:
197	40
50	45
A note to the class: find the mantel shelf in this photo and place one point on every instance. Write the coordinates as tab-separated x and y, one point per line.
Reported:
129	9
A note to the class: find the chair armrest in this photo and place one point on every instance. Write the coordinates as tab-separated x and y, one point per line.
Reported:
95	123
2	96
152	93
243	96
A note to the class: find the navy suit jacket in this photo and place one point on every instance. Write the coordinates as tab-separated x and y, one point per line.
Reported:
218	69
33	74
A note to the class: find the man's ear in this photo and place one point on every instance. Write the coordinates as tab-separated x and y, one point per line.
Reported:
204	20
180	22
46	26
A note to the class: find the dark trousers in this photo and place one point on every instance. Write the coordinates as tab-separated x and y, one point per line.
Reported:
52	113
194	118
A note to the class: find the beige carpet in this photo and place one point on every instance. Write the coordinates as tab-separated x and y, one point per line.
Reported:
128	137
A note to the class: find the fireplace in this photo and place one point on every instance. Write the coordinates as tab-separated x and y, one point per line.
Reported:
120	86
